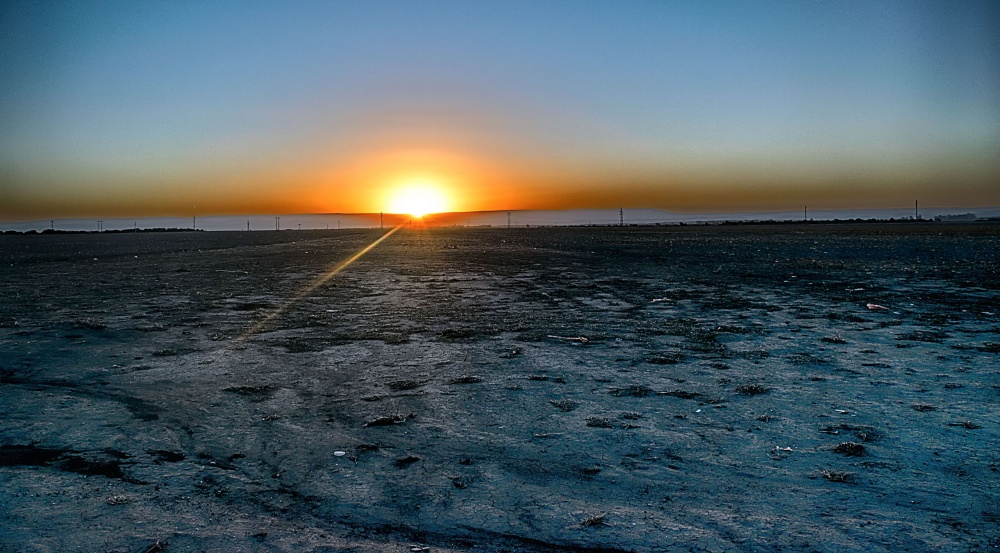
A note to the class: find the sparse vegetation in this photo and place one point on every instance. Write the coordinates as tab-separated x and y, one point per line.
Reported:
402	385
932	336
593	521
683	394
632	391
389	420
498	431
599	422
458	333
968	425
564	405
862	432
849	449
248	390
666	358
752	389
838	476
989	347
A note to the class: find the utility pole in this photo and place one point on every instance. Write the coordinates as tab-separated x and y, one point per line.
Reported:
805	213
194	222
508	220
380	220
135	226
916	210
248	225
621	217
277	223
99	225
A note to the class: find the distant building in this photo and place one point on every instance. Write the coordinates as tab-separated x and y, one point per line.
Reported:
956	217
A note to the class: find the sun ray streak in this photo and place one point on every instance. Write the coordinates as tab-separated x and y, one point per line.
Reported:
316	283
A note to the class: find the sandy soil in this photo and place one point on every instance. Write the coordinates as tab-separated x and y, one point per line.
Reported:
636	389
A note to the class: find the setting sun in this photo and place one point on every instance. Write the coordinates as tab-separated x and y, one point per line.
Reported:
418	199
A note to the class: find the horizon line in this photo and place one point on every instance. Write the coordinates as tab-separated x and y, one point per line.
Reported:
494	211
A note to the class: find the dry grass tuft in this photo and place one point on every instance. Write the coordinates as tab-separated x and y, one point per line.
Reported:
632	391
564	405
968	425
752	389
598	422
596	520
838	476
850	449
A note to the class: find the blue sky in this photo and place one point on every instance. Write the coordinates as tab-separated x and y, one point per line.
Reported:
138	108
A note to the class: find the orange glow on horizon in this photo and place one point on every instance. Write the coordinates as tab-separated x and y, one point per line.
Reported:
418	198
412	181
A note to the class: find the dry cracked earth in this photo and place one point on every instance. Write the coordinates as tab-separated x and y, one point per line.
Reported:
729	388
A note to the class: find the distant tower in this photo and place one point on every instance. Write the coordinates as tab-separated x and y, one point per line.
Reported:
380	223
300	226
52	225
508	220
621	217
248	224
916	209
277	223
194	222
805	213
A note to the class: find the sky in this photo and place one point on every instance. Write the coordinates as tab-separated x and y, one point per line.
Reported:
213	108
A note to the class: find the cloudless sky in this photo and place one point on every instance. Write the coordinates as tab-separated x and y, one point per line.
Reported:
155	108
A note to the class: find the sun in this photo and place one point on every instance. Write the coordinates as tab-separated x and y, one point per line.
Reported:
418	199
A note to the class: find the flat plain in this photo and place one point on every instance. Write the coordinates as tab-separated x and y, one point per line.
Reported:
701	388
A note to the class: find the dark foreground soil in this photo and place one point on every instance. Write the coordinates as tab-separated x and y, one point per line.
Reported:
635	389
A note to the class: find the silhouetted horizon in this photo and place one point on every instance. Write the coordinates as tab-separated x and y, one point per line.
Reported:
519	218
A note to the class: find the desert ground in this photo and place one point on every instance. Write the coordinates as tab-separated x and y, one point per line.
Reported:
700	388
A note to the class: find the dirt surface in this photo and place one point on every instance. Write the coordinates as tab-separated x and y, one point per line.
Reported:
634	389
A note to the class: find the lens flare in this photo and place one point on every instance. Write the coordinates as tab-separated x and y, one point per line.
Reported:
316	283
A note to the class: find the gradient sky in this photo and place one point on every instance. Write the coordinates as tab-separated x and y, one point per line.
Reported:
174	108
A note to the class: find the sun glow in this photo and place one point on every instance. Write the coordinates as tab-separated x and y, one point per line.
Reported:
418	199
